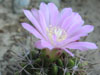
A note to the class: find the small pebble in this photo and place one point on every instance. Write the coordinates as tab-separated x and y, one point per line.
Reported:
19	5
1	1
57	2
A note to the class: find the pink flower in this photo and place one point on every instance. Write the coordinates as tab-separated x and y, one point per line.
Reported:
58	29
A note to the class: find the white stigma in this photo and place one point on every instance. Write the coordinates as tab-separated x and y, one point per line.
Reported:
58	32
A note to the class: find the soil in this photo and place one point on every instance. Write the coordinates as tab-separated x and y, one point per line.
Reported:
11	30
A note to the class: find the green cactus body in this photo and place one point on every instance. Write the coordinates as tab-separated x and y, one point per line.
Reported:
54	70
67	73
60	62
37	62
49	55
50	64
71	63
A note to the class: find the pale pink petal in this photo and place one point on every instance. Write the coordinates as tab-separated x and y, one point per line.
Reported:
35	13
53	12
42	22
69	52
45	11
30	16
43	44
64	14
68	21
87	29
32	30
69	40
38	45
81	45
83	31
76	25
75	21
46	44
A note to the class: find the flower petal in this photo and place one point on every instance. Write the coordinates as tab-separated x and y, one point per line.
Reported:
69	40
69	52
35	13
76	20
38	45
30	16
81	45
83	31
68	21
76	25
53	12
87	29
32	30
35	22
42	22
43	44
64	14
44	7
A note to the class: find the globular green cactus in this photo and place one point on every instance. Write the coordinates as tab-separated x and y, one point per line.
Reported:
57	2
45	62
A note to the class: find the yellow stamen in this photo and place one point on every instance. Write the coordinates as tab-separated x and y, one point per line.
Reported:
58	32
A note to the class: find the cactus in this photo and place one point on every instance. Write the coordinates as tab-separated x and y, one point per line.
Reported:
38	63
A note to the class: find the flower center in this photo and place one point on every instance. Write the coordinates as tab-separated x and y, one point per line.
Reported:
56	32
